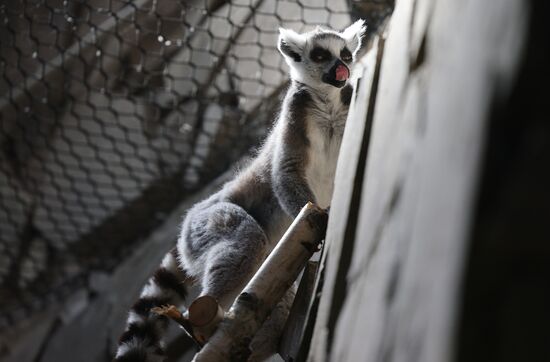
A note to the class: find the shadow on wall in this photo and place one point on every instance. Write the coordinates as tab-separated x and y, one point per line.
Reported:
505	314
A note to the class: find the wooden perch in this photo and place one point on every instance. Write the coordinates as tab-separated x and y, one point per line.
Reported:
231	340
203	316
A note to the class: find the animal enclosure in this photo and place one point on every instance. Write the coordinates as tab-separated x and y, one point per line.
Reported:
113	112
116	116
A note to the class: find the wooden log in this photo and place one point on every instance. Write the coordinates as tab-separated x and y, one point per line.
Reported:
252	307
201	319
204	315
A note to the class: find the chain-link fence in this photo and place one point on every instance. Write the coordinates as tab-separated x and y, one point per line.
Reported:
112	111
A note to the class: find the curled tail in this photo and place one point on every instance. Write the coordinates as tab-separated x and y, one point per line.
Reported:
142	339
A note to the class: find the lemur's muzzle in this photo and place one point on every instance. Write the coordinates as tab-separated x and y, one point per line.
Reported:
337	75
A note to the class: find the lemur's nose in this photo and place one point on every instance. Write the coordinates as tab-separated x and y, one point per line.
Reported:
342	72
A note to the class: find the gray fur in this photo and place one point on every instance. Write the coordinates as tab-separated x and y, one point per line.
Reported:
290	156
225	238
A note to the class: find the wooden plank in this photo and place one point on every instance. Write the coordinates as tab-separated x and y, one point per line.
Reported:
344	205
403	283
293	332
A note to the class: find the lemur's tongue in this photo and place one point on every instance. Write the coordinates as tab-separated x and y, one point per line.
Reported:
342	72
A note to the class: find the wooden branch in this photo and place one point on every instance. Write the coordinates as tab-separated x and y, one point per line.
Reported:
204	315
201	321
231	340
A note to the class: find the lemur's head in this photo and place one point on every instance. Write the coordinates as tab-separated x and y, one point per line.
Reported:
321	56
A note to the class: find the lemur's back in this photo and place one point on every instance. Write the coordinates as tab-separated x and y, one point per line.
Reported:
225	238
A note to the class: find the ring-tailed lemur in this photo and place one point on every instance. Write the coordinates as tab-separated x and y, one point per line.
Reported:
225	238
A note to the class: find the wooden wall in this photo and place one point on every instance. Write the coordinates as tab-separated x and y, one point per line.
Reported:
407	186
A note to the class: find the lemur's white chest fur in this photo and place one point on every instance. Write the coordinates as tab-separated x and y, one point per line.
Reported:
325	129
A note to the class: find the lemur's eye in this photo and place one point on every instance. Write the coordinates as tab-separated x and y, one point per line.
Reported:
345	54
320	55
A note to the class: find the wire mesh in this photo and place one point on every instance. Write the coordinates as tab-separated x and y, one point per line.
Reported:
113	111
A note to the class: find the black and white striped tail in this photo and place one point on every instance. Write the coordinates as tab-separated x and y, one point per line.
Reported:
142	340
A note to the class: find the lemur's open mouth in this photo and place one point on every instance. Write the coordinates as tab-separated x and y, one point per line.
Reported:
342	72
337	75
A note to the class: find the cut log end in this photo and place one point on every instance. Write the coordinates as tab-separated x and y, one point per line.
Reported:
203	310
204	315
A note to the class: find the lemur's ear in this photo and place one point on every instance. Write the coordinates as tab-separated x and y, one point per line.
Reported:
291	44
354	34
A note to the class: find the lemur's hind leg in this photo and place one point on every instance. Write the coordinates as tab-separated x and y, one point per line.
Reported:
233	246
142	339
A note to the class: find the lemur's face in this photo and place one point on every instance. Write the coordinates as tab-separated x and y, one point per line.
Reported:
321	56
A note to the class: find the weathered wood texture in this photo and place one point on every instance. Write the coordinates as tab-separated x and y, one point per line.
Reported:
505	315
393	271
347	189
293	339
